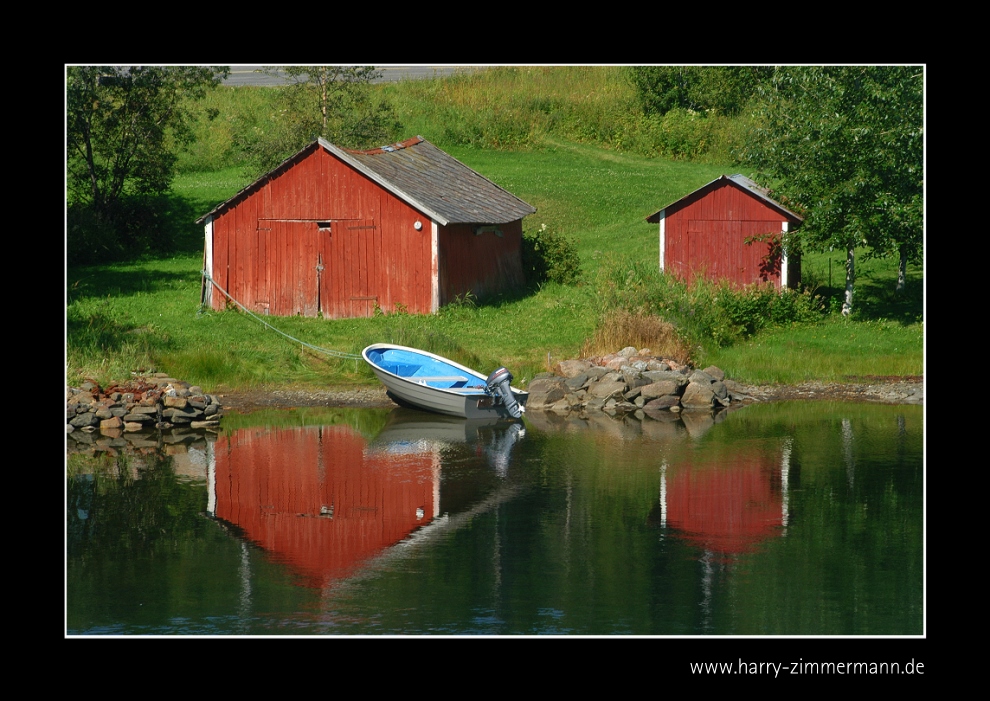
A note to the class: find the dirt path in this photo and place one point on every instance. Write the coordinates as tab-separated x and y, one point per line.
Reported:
886	390
357	396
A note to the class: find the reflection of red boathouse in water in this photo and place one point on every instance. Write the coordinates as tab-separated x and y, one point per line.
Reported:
315	499
730	506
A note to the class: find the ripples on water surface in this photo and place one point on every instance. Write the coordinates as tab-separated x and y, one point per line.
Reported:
800	518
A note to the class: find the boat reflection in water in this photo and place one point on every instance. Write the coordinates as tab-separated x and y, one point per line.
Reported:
325	501
415	431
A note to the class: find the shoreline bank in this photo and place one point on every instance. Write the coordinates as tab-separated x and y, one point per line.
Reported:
178	440
885	391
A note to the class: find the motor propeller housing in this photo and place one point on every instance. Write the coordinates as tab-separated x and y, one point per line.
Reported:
498	386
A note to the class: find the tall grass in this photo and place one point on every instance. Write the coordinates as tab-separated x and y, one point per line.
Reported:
531	106
227	120
104	344
513	107
623	328
836	349
507	107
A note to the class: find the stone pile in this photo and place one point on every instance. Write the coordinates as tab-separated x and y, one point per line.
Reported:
630	382
145	404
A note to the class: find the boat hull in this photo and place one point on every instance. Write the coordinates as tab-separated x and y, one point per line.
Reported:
431	382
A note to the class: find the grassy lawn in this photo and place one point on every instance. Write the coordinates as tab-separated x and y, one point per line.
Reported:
837	350
598	197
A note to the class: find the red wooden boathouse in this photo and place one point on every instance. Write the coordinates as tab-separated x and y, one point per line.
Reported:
339	232
706	232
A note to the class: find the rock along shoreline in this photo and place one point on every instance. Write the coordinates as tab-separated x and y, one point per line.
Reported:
636	383
141	413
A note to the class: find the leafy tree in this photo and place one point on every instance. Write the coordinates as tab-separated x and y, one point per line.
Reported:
721	89
335	102
846	145
123	126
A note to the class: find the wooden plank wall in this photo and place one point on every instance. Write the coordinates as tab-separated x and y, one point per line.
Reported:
483	264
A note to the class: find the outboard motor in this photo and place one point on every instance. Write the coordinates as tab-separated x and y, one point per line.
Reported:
498	387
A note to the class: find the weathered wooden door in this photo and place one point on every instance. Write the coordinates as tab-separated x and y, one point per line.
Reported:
286	277
329	268
289	271
351	281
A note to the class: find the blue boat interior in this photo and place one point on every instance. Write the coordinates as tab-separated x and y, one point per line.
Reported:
424	370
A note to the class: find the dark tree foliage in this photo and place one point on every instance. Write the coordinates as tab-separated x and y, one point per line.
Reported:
333	102
845	145
123	127
710	89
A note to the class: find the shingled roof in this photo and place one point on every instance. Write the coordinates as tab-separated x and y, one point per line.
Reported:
435	182
740	181
422	175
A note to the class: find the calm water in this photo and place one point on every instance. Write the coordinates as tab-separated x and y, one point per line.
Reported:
799	518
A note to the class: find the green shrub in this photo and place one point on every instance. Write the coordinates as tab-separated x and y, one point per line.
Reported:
704	312
548	256
757	307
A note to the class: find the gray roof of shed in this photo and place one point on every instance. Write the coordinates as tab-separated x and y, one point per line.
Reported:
423	176
435	182
743	182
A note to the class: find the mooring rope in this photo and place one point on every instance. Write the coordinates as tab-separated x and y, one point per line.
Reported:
328	351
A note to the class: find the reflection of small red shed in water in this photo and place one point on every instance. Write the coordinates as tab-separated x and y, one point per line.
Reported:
314	499
728	507
706	232
339	233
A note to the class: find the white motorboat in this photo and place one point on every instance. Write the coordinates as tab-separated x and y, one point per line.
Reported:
428	381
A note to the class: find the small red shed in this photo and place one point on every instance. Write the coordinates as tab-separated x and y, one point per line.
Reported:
338	233
706	232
